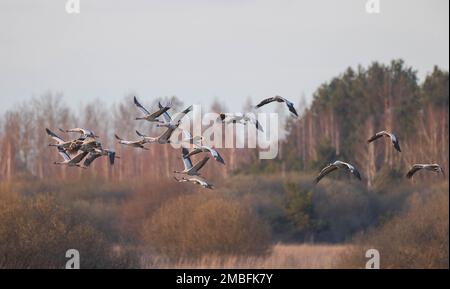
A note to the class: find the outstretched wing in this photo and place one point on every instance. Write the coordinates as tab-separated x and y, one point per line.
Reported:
290	106
349	167
117	137
141	107
54	136
392	136
200	164
216	155
179	116
375	137
78	157
201	181
186	160
265	101
325	171
397	146
64	154
193	152
92	157
167	134
160	111
140	134
395	142
83	131
166	115
356	173
413	170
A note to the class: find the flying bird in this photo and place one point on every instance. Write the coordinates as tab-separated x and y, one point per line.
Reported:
206	149
151	117
189	169
76	150
164	138
196	180
68	161
243	119
71	147
337	165
90	159
99	153
136	143
278	98
84	132
60	142
392	136
429	167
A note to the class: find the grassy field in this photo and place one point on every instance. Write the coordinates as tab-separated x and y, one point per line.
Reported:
281	257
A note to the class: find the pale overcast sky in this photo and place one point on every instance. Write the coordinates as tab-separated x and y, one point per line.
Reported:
200	50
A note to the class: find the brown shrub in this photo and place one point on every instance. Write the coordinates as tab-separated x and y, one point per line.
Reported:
419	238
199	224
36	233
146	199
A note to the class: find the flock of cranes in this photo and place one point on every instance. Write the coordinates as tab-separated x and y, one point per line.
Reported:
87	146
75	150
